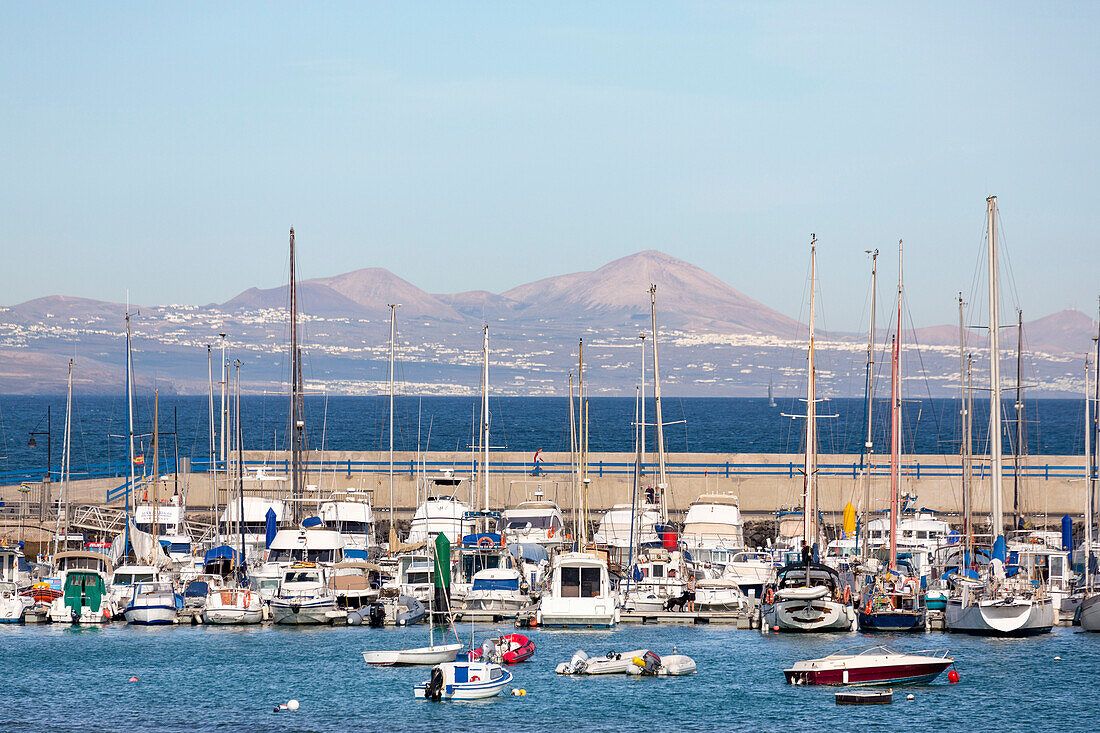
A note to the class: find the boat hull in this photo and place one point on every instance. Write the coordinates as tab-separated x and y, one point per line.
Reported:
468	690
301	612
1000	618
231	616
818	614
1090	613
917	673
150	615
891	621
422	657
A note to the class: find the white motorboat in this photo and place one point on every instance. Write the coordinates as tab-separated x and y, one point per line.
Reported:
807	598
151	604
418	657
721	594
464	681
12	604
83	581
123	581
751	570
355	583
579	594
713	529
496	589
255	517
614	529
657	578
352	516
536	521
303	596
226	606
441	512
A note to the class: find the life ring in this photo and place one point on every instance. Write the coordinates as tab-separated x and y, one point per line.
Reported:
247	599
550	532
474	678
769	597
847	594
485	542
867	610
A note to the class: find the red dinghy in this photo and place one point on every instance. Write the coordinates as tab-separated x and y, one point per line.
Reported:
517	648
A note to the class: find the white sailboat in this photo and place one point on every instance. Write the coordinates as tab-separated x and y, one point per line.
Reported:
1089	609
808	596
995	604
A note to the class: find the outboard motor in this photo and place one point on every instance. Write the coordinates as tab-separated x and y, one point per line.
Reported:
651	663
434	689
377	617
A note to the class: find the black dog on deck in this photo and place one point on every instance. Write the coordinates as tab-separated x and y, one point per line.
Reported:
679	603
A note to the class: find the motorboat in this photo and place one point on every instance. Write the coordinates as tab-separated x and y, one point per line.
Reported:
152	604
497	589
476	554
713	529
124	578
254	527
352	516
418	657
83	580
670	665
579	594
225	606
303	596
615	525
536	521
441	512
807	597
751	570
657	578
12	604
312	542
415	576
355	583
464	681
505	649
721	593
875	665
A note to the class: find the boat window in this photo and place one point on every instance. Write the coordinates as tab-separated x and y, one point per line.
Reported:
418	578
496	674
352	527
658	571
571	582
590	582
299	576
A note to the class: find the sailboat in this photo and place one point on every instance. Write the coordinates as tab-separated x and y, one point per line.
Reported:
893	601
806	595
1089	609
995	604
771	396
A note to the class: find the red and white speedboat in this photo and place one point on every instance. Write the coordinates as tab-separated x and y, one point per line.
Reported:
876	665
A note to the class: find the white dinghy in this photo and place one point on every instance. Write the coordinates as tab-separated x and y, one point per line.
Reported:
424	656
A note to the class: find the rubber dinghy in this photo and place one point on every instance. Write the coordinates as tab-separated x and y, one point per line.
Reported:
637	662
505	649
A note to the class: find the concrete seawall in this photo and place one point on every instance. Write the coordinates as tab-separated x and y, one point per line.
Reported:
1051	485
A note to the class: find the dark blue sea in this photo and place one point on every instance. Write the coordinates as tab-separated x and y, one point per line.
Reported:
191	679
524	424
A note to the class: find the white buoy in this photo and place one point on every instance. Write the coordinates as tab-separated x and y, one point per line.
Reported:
292	705
1057	659
910	696
515	692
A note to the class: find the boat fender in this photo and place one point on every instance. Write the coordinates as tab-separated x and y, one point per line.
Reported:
847	594
953	676
247	599
550	532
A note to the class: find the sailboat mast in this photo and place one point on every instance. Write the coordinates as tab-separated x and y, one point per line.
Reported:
573	461
1089	480
1020	426
641	409
869	396
295	396
222	436
156	454
809	509
1096	422
895	424
240	466
213	467
65	460
393	338
662	484
964	414
995	457
485	417
582	446
130	428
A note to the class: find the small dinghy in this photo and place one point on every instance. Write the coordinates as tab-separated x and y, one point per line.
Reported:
463	681
865	697
876	665
505	649
638	662
422	656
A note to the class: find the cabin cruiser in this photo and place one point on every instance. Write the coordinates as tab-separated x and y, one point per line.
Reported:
352	516
303	596
535	521
615	525
580	593
441	512
720	592
415	576
476	553
12	604
152	604
254	529
497	589
123	580
751	570
355	583
807	597
83	580
713	529
312	542
656	578
232	605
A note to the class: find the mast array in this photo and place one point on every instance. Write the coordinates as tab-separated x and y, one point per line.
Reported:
662	483
996	460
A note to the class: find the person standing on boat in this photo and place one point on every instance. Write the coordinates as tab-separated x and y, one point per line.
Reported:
806	553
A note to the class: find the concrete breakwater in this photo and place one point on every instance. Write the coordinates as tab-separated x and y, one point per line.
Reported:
1048	487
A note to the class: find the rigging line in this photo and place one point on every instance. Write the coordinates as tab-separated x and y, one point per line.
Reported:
924	371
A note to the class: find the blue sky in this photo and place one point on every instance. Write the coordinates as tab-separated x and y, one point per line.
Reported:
166	148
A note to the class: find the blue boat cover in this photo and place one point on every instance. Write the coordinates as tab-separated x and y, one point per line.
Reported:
529	551
269	518
312	522
221	552
471	540
496	584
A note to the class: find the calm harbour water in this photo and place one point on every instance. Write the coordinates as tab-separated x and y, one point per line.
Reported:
203	678
523	424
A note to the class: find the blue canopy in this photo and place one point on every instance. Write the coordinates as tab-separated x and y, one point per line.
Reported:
472	540
221	552
529	551
312	522
270	531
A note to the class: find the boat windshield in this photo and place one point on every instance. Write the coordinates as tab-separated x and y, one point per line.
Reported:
131	578
580	582
302	576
